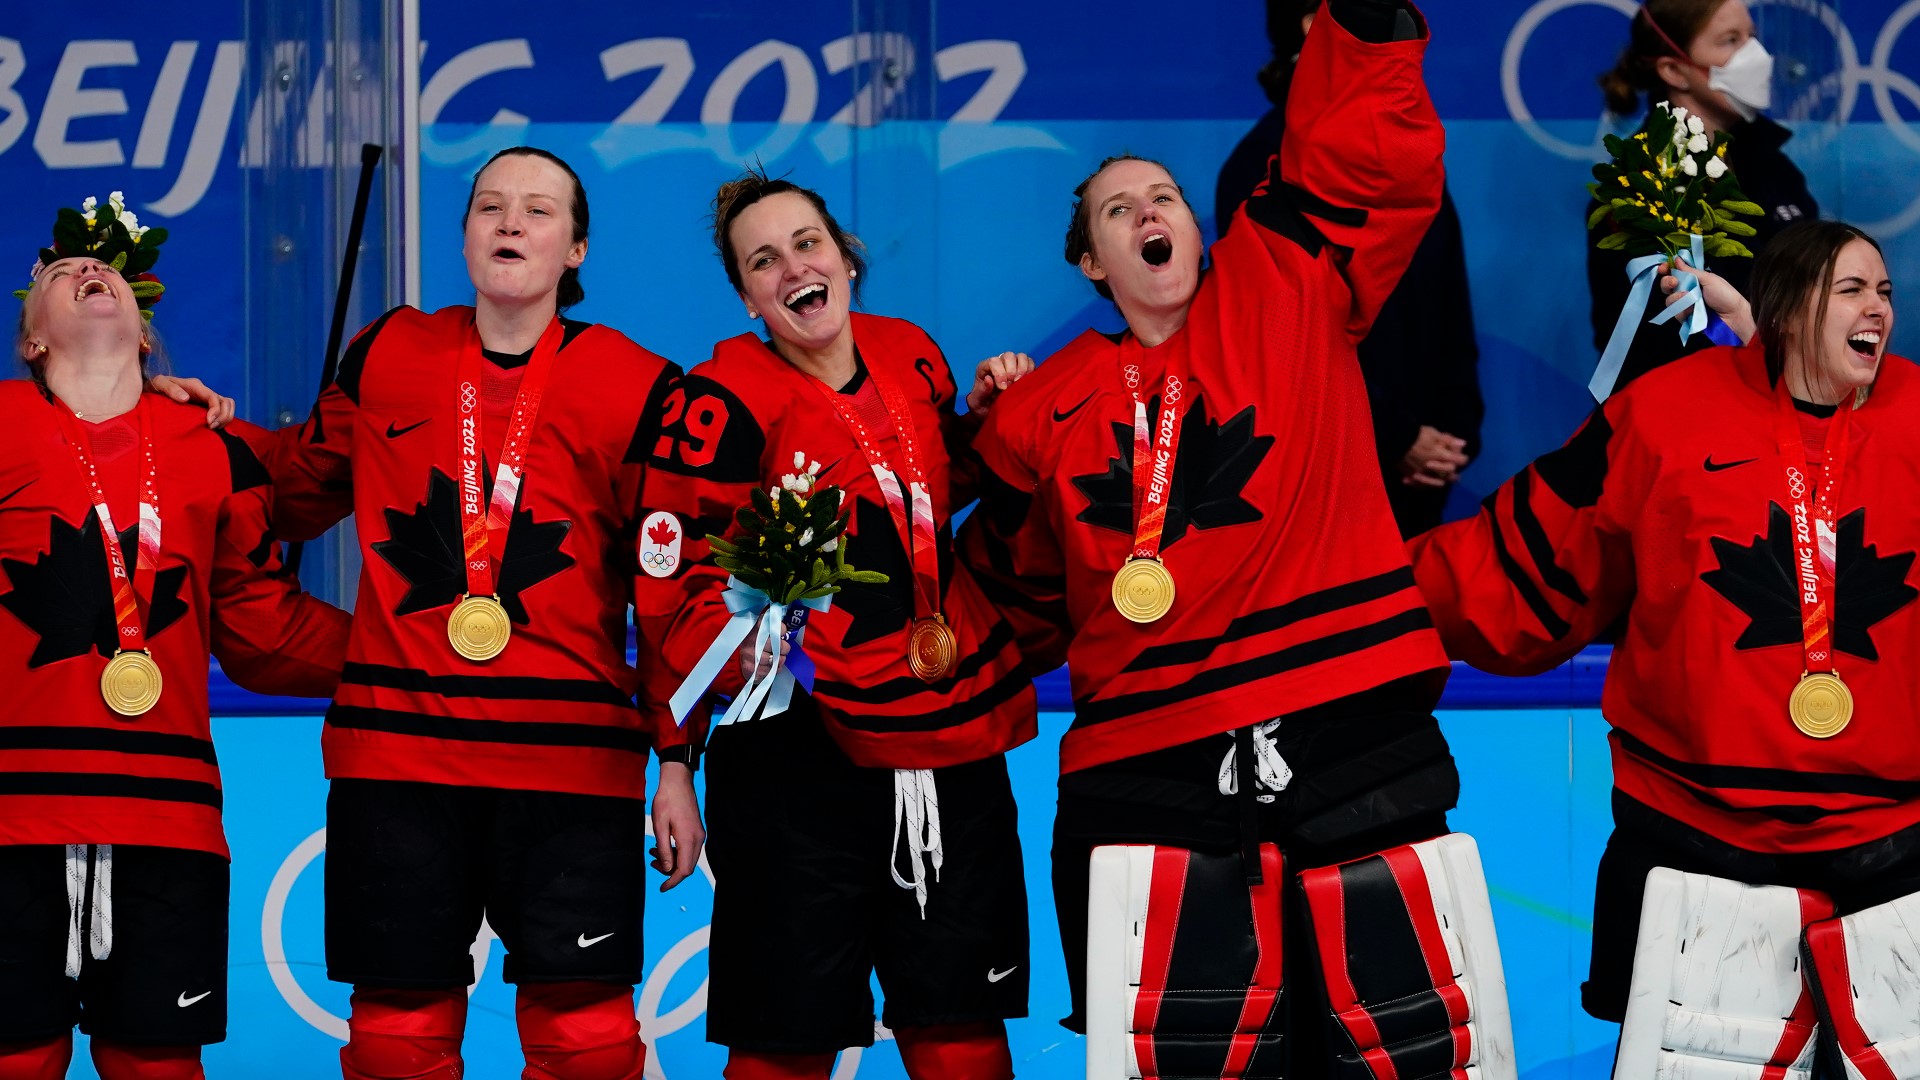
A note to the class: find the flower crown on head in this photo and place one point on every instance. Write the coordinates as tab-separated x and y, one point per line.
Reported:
114	235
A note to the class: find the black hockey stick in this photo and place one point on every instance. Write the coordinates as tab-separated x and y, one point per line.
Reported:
349	260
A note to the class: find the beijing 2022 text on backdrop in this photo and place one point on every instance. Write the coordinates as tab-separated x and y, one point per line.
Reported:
962	201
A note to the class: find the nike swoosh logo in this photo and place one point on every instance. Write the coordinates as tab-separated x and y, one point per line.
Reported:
18	490
992	975
587	942
186	1001
394	432
1718	466
1059	416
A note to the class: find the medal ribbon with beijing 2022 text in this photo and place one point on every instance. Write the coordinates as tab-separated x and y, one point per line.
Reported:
484	534
1154	456
132	594
1813	526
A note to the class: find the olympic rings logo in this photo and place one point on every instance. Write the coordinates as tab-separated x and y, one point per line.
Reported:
1175	388
659	560
1132	373
1842	86
1796	483
468	396
1818	656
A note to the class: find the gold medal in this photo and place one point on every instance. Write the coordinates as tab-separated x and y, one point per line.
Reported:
931	649
479	627
1143	590
1821	705
130	683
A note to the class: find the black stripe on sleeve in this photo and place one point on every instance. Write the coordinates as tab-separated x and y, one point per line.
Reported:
1267	620
1213	680
490	687
514	732
1539	547
1555	626
111	785
112	740
244	468
353	363
1577	471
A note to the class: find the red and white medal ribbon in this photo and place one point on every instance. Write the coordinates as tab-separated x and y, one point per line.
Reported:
132	593
1814	525
484	532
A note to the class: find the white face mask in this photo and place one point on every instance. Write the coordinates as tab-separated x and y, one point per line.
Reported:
1746	79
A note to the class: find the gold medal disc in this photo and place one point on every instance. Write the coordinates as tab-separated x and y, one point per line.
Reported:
130	683
479	627
931	649
1143	590
1821	705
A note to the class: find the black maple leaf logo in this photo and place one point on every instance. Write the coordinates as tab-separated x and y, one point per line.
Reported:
1216	460
874	611
424	548
66	598
1759	579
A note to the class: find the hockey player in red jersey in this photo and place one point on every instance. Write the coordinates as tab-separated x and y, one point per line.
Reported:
1750	512
871	825
133	543
485	750
1189	514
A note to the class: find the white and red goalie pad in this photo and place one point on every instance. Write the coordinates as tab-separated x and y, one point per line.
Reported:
1717	992
1864	971
1411	963
1183	965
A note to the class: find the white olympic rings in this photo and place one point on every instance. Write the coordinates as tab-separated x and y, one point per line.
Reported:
1844	84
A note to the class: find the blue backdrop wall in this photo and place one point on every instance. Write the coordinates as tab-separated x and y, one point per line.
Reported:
949	136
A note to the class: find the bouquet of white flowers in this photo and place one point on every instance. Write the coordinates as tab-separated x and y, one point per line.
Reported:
779	572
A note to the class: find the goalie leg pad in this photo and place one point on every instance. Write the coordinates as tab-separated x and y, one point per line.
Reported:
1717	992
1412	967
1865	974
1183	964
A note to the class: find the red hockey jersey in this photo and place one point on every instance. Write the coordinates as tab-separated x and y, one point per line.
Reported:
1292	585
1669	505
71	770
555	711
734	423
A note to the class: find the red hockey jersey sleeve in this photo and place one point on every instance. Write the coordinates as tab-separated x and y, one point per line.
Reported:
1544	567
311	464
270	637
661	592
1360	168
1009	545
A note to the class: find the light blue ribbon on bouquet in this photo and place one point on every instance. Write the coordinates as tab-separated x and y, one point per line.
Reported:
1642	271
752	612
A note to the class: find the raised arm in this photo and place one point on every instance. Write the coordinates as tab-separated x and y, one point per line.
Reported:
1359	168
1009	547
270	637
1542	569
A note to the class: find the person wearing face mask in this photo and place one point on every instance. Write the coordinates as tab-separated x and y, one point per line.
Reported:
486	756
871	825
1701	55
1749	513
1251	840
134	545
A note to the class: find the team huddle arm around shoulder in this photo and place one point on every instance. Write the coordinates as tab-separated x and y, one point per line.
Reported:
1543	568
269	636
1009	546
1360	167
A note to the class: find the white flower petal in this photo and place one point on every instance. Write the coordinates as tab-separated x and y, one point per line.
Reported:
1695	126
1687	166
1697	144
799	460
1716	168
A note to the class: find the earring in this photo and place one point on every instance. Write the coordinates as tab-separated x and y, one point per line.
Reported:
145	346
40	348
853	274
752	314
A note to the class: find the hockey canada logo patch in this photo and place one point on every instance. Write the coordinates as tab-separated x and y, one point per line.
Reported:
660	537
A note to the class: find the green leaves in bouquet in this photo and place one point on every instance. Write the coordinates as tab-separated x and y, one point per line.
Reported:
780	546
1656	193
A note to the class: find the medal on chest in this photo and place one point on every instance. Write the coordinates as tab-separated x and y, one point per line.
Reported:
1820	705
478	627
1143	588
